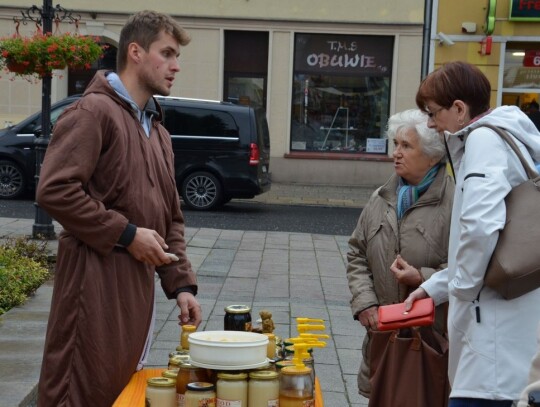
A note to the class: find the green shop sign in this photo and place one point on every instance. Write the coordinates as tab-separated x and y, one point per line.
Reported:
524	10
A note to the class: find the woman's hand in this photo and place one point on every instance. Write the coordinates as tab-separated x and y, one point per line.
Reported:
405	273
417	294
369	317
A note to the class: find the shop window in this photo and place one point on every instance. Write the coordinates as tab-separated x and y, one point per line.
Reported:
246	67
341	93
521	80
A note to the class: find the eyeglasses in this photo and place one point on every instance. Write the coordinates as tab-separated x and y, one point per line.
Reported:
431	115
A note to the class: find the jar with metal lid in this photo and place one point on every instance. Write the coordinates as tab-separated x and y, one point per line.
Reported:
178	351
296	387
186	330
280	364
176	361
199	394
263	389
171	374
160	392
188	374
237	318
232	389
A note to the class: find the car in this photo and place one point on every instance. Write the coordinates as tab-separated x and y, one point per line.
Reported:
221	150
17	151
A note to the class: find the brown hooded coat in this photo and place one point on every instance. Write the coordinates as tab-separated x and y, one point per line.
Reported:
100	172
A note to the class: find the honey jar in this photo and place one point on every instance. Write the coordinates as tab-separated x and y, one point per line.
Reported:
237	318
200	394
186	330
232	389
263	389
188	374
160	392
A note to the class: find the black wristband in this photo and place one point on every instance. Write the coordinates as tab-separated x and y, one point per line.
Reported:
128	235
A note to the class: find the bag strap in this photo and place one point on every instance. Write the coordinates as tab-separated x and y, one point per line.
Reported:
531	173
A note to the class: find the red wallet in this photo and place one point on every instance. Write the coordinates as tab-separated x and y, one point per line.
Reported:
394	316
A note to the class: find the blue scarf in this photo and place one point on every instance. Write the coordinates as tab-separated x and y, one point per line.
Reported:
407	194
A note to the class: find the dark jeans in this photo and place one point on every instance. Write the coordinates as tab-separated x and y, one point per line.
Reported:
462	402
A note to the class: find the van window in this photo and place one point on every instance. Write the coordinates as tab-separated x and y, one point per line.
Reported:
262	127
187	121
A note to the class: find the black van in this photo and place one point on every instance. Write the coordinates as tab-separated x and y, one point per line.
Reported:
222	150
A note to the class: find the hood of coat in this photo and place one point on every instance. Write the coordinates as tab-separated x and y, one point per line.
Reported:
100	84
510	118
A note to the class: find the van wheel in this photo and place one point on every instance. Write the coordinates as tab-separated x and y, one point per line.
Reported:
202	191
12	182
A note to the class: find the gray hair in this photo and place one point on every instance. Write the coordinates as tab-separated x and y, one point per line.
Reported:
415	119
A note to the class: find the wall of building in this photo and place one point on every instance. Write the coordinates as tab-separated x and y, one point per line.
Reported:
449	19
201	62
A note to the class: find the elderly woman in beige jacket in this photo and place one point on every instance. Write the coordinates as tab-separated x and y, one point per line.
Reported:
401	237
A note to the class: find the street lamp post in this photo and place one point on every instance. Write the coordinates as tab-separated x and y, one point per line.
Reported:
43	227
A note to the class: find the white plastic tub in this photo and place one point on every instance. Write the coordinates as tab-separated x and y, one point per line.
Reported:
227	348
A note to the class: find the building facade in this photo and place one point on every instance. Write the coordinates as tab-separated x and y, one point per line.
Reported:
328	73
501	37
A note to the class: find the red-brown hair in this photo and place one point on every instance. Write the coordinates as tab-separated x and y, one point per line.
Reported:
455	81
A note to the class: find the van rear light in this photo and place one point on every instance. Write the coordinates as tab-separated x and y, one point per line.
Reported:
253	154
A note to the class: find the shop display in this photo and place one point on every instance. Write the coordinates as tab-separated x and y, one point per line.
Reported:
234	369
160	392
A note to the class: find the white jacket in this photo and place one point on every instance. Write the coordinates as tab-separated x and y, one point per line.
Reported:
489	358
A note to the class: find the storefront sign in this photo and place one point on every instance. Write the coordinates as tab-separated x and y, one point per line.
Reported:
524	10
532	59
344	54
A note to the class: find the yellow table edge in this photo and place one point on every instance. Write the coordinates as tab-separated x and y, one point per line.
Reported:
133	393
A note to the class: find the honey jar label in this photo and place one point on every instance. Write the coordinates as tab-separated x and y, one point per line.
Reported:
207	402
180	400
229	403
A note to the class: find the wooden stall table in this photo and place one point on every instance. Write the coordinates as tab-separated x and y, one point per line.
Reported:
133	393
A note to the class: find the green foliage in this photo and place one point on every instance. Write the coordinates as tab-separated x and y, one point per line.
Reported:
24	266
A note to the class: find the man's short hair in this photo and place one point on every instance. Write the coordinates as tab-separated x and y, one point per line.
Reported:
144	28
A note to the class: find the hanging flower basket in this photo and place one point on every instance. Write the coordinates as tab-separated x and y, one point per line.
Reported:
40	54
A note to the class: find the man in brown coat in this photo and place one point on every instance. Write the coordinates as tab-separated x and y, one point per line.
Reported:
108	178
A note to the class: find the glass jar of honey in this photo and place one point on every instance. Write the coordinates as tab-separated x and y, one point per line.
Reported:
186	330
199	394
176	361
232	389
263	389
237	318
188	374
296	387
160	392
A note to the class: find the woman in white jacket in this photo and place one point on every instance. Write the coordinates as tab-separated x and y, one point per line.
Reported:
492	340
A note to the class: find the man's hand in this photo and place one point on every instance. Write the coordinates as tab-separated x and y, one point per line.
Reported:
417	294
149	247
405	273
190	310
369	317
